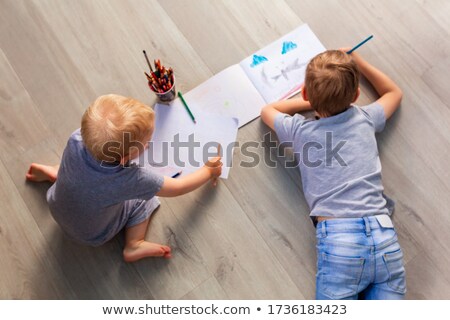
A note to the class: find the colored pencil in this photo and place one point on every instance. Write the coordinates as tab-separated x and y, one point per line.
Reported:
292	92
148	77
177	174
148	62
186	106
360	44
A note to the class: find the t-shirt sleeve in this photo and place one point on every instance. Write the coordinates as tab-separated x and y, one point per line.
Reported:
375	113
146	184
287	126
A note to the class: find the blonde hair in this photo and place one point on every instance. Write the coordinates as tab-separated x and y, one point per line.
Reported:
115	121
331	82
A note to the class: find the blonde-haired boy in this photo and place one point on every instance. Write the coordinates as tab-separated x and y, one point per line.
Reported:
113	118
96	193
358	255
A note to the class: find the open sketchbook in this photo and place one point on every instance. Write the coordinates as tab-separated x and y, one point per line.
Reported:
273	73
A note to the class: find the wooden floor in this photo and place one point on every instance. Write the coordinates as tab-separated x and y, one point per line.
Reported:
251	237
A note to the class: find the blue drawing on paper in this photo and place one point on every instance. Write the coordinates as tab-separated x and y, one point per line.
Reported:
258	60
288	46
282	71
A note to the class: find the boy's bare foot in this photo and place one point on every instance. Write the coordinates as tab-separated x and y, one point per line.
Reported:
144	249
40	172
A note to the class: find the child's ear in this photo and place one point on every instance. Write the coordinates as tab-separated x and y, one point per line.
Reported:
124	160
304	94
358	92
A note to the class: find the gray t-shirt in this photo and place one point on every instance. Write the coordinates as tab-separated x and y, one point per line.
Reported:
92	203
338	161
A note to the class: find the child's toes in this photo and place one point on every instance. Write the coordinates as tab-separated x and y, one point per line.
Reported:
166	251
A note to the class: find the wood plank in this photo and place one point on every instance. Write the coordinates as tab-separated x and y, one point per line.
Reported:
410	246
232	248
111	59
422	215
438	10
263	20
423	282
208	290
224	44
436	79
43	66
29	269
21	124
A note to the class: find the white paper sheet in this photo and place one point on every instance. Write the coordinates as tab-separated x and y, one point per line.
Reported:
278	70
173	124
229	93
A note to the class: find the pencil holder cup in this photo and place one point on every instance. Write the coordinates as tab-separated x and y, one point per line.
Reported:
169	95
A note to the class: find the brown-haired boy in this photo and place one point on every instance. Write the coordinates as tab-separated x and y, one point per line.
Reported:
96	194
358	255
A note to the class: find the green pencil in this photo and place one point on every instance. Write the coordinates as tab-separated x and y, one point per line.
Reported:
186	106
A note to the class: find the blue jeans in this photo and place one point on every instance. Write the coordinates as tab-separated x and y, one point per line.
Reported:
357	258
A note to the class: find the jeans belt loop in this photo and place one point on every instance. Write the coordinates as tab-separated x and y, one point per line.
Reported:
367	225
323	229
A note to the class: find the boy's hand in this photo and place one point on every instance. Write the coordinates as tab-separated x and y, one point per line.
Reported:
214	166
390	94
355	55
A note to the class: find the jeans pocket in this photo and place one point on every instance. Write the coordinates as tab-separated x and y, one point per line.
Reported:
396	271
340	276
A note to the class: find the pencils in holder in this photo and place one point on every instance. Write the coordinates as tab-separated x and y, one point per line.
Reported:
187	107
160	79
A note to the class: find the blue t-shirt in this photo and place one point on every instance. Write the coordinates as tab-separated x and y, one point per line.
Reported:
88	199
338	161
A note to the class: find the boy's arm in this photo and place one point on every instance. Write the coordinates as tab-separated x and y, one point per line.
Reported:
390	94
175	187
291	107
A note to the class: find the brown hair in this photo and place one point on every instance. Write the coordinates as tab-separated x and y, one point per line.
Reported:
106	122
331	82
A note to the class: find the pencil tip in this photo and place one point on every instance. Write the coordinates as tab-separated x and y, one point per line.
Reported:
195	122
